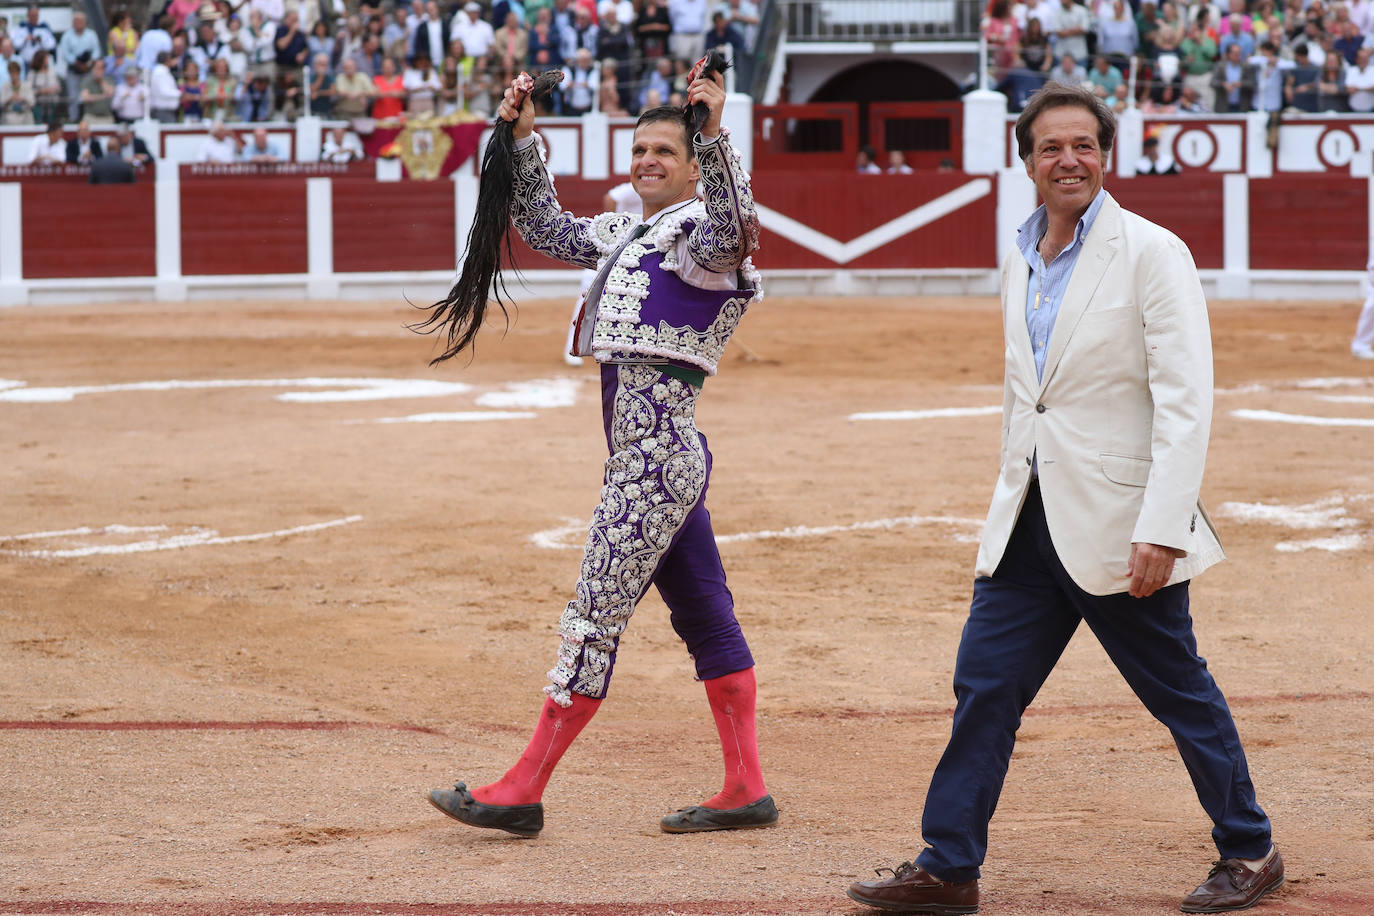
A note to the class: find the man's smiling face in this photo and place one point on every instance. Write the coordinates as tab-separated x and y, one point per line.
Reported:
1066	159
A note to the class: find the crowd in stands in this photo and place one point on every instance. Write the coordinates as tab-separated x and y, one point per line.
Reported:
216	61
1189	57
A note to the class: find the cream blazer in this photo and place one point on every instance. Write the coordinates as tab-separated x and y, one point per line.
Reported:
1121	418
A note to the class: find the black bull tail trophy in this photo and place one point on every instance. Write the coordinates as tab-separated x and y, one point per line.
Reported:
460	314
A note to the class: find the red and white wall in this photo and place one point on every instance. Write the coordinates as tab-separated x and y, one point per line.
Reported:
1290	222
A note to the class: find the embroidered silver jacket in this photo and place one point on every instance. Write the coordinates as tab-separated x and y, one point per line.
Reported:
721	232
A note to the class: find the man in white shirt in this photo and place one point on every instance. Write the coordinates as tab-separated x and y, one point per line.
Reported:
130	101
49	148
220	146
153	42
164	95
1359	82
474	32
581	80
342	146
32	35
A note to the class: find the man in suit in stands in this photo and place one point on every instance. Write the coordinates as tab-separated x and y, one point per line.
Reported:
1095	517
111	168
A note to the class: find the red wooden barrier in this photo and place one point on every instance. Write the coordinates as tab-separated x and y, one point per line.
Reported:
1188	205
1308	222
402	225
74	229
250	225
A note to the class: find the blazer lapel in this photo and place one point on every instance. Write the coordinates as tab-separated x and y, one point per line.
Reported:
1014	310
1099	247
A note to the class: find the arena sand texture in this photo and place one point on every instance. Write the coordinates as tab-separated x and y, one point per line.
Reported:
245	622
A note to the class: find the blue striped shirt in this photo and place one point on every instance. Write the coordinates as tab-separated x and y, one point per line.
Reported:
1048	284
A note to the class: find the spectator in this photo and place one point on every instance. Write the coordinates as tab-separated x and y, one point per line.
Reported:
613	42
47	88
653	98
77	52
122	28
350	39
1270	76
1068	72
652	29
581	82
111	168
97	91
1198	55
1117	37
1190	102
273	11
352	91
178	56
688	38
562	23
1155	162
474	32
291	49
319	41
621	11
500	8
289	98
388	93
133	150
262	150
240	43
1233	81
397	32
1147	23
1071	24
422	85
451	78
164	94
1035	47
743	15
583	34
1169	32
118	60
1359	82
1103	78
342	146
7	54
180	11
608	93
480	94
157	40
1237	34
1161	100
660	79
16	97
1300	85
510	48
1331	93
431	34
192	93
1349	42
896	163
31	36
209	47
722	35
865	163
1362	14
543	42
256	101
83	149
220	90
1003	37
260	43
131	98
220	146
321	86
49	148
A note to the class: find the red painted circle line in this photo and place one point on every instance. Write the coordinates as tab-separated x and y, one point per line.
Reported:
208	725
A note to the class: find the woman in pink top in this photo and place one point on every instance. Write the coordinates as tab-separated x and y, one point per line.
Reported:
390	92
1003	37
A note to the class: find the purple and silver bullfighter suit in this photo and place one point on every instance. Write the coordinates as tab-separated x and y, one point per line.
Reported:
656	336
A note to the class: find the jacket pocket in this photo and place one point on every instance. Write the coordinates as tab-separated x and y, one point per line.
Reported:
1126	469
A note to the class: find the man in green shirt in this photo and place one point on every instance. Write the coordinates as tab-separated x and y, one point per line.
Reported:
1198	55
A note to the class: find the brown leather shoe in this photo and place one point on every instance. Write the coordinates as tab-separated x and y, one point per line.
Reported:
912	889
1230	885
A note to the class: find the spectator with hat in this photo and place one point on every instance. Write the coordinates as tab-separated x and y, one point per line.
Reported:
474	32
130	101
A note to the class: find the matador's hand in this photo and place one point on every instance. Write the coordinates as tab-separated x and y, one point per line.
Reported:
516	106
711	91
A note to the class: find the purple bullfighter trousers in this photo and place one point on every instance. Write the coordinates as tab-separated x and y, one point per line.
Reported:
651	527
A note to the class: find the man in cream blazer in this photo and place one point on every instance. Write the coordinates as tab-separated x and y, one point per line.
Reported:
1095	517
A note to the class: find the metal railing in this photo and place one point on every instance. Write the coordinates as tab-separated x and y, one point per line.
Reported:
881	20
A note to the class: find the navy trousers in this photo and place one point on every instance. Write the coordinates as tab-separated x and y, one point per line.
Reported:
1021	619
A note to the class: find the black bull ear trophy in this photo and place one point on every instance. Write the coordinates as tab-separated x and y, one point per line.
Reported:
461	313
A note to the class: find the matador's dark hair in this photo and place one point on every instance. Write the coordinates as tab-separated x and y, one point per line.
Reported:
460	314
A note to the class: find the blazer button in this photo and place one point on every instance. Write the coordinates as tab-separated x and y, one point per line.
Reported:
1039	408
